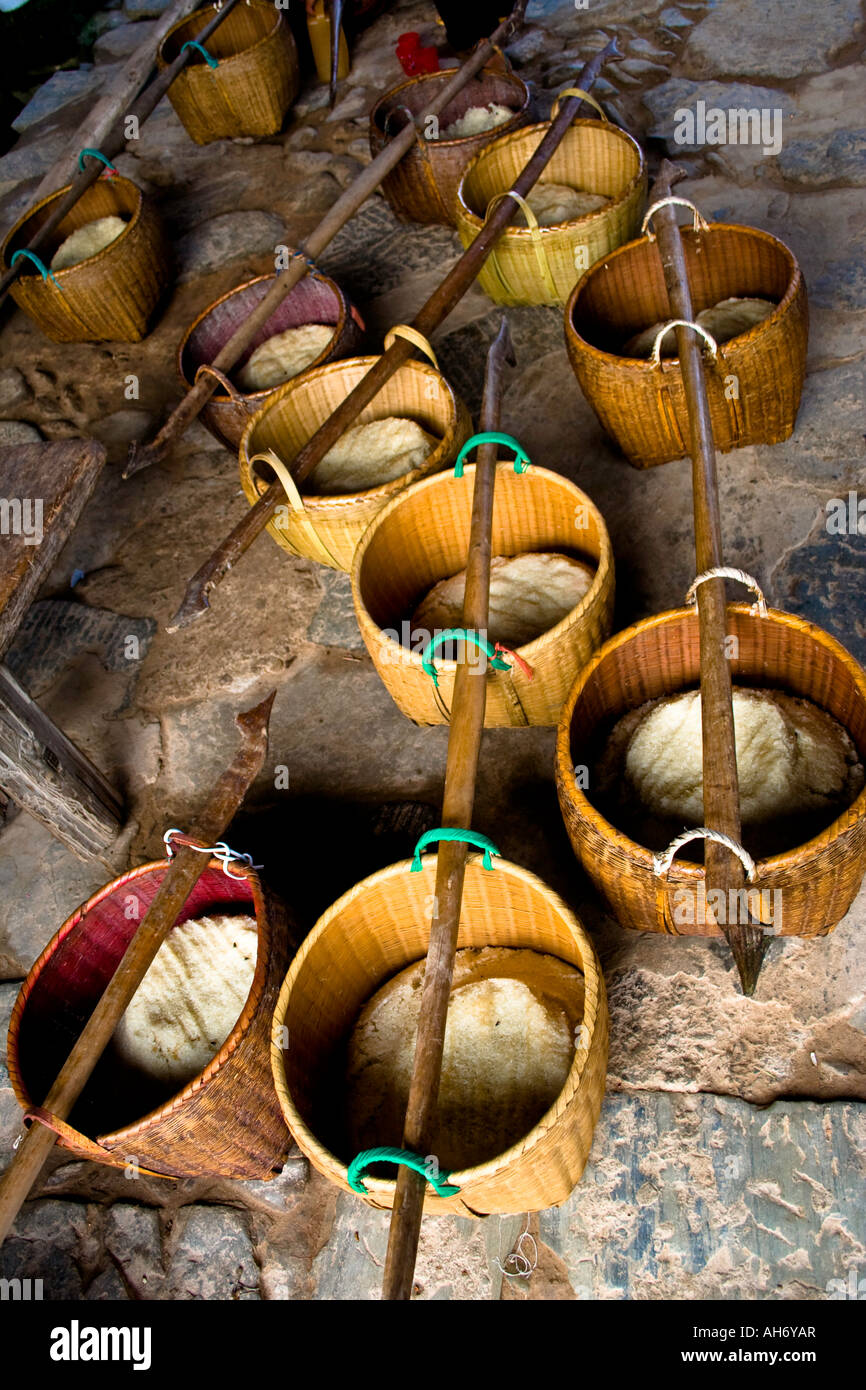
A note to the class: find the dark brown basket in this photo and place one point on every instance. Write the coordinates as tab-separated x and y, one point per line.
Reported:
254	84
661	656
110	296
423	187
227	1121
753	383
315	300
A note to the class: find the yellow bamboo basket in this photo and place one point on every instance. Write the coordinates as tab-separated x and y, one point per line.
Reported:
378	928
255	79
754	381
422	536
540	265
817	881
110	296
324	527
423	187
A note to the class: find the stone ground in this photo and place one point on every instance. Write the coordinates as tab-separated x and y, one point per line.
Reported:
732	1145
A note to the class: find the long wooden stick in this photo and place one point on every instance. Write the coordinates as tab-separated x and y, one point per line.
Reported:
429	317
464	744
721	783
184	872
113	142
141	455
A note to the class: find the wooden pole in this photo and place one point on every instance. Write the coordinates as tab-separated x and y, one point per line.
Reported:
143	455
114	140
183	873
723	869
429	317
464	744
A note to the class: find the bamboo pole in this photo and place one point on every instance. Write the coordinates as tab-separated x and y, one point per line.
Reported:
144	455
181	876
113	142
464	744
429	317
723	869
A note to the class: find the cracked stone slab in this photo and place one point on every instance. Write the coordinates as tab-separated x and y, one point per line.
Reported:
771	38
213	1257
706	1197
374	252
679	93
49	1241
133	1237
53	632
334	623
61	90
229	237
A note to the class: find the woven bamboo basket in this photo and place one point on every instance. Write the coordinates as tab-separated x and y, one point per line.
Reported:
540	265
328	528
422	536
754	380
317	299
111	295
226	1122
423	187
378	928
254	83
817	881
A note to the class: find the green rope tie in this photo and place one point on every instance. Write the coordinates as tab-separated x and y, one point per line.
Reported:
439	1182
40	265
459	634
192	43
110	170
521	460
469	837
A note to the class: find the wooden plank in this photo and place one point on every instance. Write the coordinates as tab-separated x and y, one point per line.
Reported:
45	774
43	489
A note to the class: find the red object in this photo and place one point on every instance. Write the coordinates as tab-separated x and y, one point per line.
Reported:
413	58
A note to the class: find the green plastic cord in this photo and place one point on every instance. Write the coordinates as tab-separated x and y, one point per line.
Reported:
459	634
438	1180
521	460
470	837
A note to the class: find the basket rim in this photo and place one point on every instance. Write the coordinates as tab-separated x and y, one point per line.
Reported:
640	365
330	502
232	1042
551	636
219	395
465	214
261	5
592	1020
507	128
89	260
641	856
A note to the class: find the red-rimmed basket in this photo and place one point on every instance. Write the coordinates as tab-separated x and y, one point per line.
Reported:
227	1121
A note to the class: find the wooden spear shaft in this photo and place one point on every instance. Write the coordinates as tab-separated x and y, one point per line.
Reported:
142	456
464	744
429	317
112	145
721	784
180	878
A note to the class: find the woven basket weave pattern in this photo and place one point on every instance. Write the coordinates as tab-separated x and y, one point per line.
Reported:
660	656
110	296
255	83
423	536
383	925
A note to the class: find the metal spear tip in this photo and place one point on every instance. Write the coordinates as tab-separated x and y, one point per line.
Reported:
748	947
253	722
194	606
140	456
503	343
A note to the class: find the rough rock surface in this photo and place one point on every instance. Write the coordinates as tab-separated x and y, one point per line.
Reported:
730	1152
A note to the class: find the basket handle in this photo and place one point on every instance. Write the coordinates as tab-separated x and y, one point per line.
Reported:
700	223
109	172
80	1143
40	265
662	862
468	837
577	92
759	608
521	459
405	330
438	1181
296	502
193	43
655	356
537	241
459	634
393	112
230	389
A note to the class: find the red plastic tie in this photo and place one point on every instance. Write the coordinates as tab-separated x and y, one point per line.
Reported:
524	665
